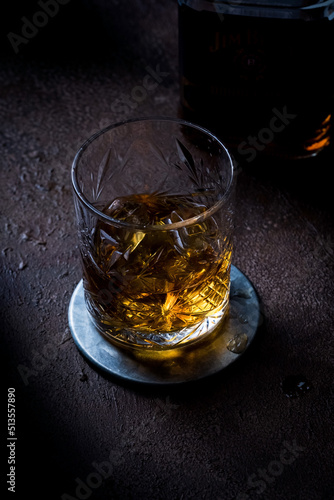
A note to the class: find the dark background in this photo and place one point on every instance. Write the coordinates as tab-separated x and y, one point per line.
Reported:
219	438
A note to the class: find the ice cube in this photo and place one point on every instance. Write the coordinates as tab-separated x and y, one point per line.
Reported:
132	243
107	239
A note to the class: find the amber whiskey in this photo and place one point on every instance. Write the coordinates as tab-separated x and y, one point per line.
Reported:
156	283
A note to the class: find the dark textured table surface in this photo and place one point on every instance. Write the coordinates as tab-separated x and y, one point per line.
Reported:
82	434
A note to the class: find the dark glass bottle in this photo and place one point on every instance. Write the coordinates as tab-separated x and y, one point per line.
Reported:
259	73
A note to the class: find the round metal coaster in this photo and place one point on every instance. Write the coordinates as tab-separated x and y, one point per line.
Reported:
177	365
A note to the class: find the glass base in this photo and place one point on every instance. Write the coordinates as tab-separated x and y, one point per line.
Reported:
226	342
162	340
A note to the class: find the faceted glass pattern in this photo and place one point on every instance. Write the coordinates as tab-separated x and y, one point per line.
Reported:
154	210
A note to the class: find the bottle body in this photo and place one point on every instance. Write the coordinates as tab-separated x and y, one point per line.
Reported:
264	84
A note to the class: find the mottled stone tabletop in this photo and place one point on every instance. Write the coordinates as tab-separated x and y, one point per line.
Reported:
262	428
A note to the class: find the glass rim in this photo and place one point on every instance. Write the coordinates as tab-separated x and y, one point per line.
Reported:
149	227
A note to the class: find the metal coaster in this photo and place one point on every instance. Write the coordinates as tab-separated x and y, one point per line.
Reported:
177	365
